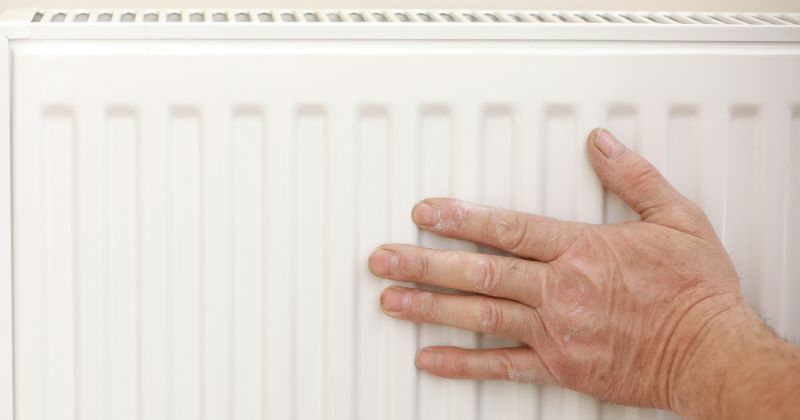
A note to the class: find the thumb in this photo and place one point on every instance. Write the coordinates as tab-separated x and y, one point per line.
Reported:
640	185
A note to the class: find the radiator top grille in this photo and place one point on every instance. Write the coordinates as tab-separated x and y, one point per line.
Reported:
411	16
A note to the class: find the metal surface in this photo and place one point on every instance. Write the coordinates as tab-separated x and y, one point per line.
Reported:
192	218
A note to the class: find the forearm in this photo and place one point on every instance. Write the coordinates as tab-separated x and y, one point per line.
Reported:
739	370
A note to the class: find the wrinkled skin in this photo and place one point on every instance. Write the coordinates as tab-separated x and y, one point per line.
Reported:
620	312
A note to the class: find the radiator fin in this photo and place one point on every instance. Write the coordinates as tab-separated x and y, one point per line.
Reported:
240	16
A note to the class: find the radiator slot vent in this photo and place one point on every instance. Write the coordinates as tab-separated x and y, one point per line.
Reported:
418	16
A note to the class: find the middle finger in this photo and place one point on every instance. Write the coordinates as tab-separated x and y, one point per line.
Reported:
491	275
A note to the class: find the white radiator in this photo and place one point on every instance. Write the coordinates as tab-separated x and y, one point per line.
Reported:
189	197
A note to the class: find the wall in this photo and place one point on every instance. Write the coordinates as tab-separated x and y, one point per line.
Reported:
709	5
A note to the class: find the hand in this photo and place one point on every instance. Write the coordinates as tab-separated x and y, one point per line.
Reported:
627	313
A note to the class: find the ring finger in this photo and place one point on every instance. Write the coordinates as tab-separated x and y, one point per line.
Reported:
501	317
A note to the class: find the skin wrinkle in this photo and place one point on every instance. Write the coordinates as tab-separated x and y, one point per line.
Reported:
671	337
424	268
678	359
547	333
484	276
421	304
512	232
489	318
454	223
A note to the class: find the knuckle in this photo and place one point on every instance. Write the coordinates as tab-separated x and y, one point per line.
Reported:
421	304
510	230
505	365
458	366
424	266
689	212
642	173
489	317
454	217
694	213
484	276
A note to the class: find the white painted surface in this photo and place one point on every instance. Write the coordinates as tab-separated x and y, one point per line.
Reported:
192	218
655	5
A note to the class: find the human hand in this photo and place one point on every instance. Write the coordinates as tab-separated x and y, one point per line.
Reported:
628	312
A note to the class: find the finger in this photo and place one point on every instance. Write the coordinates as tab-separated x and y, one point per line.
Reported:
519	364
526	235
505	277
641	185
504	318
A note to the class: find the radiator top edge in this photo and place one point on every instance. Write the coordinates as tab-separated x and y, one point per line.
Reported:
401	24
393	16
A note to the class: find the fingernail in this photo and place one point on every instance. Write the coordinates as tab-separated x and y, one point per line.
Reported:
394	300
427	359
383	262
426	214
608	144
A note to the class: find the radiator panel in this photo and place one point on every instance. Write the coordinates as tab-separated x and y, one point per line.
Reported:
192	219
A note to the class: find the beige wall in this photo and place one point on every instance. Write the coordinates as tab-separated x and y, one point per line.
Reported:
710	5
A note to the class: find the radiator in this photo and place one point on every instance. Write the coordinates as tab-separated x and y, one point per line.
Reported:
188	197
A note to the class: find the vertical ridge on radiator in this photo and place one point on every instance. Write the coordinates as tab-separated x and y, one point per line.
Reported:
278	345
155	272
435	176
247	282
499	142
215	262
91	384
402	125
184	163
790	289
587	206
741	198
310	280
772	144
461	139
528	193
45	292
372	149
714	150
622	121
559	132
342	287
58	211
684	154
446	170
121	256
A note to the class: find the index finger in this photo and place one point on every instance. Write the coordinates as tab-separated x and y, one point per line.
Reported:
522	234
